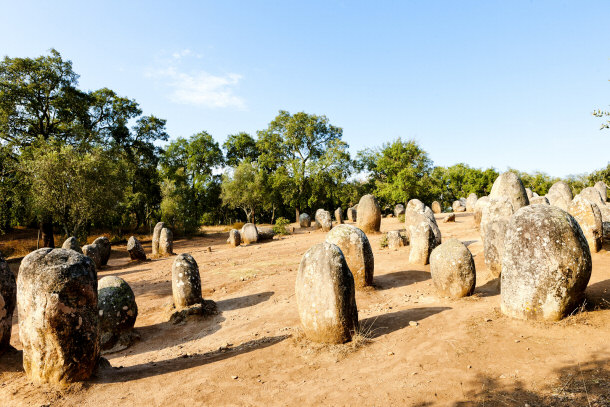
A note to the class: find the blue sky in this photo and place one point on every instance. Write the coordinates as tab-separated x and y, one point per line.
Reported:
491	83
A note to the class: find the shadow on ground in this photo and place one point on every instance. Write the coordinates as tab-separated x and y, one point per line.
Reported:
243	302
399	279
386	323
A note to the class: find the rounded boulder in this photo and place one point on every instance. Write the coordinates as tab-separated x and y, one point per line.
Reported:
323	220
357	251
369	214
117	309
186	281
509	185
452	269
135	249
72	244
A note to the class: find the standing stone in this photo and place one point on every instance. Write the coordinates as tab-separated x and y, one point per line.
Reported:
436	207
458	206
155	238
135	249
593	195
415	205
323	220
560	195
399	210
449	218
539	200
357	251
265	233
93	252
166	242
234	239
58	316
117	309
105	248
509	185
603	190
249	233
589	219
186	282
479	207
339	215
351	214
72	244
546	264
369	214
452	269
529	193
325	295
8	299
414	209
304	220
471	201
394	239
421	239
493	228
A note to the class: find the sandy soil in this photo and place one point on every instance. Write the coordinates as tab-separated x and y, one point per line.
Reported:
462	352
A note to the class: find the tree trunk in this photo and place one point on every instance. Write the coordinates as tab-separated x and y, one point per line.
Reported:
273	214
46	229
298	214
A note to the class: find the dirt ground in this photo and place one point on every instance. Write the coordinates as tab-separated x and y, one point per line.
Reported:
462	352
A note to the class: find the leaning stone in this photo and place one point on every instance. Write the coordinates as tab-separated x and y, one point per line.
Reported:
471	201
186	282
479	207
155	238
117	312
304	220
357	251
72	244
58	316
449	218
560	195
369	214
325	295
8	299
339	215
105	248
351	214
93	252
234	239
323	220
546	264
539	200
249	233
436	207
399	210
589	219
452	269
493	228
135	249
421	239
529	193
509	185
166	242
603	190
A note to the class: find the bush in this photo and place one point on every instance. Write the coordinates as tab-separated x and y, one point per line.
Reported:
237	225
401	218
280	226
384	241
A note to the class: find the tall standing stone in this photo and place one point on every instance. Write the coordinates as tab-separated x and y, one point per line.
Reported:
58	315
304	220
479	207
603	190
72	244
509	185
186	282
339	215
323	220
592	194
369	214
351	214
560	195
589	219
249	233
493	229
452	269
436	207
546	264
529	193
471	201
357	251
93	252
117	309
135	249
421	238
155	238
166	242
8	299
325	295
104	247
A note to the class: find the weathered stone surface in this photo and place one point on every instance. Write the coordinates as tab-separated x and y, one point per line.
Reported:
493	228
186	282
479	207
357	252
560	195
546	264
58	315
606	230
415	205
458	206
117	309
166	242
399	209
539	200
421	239
135	249
509	185
72	244
351	214
323	220
234	239
155	238
449	218
395	239
534	194
436	207
603	190
593	195
249	233
339	216
325	295
471	201
589	219
529	193
369	214
8	300
104	247
265	233
452	269
304	220
93	252
414	209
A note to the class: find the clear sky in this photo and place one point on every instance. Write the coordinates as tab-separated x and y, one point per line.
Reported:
488	83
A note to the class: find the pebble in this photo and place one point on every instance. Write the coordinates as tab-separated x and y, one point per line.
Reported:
413	323
234	377
390	353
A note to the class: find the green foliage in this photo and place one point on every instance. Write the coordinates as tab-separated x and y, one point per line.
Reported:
538	182
602	113
280	226
245	187
401	218
458	181
383	243
240	147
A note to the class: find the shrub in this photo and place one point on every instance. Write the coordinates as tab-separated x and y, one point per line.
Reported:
280	226
384	241
401	218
